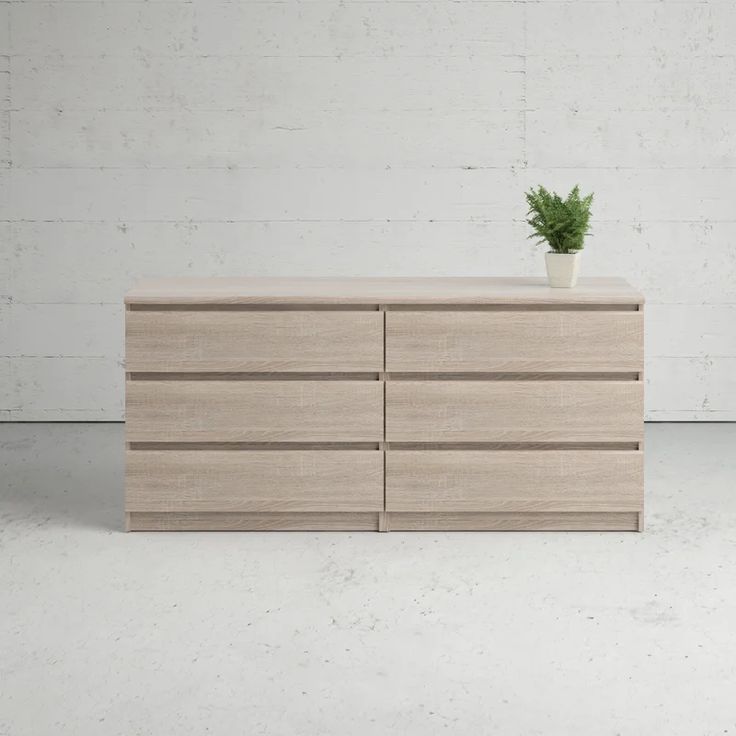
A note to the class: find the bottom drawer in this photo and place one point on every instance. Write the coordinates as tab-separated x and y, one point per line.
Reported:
506	481
257	481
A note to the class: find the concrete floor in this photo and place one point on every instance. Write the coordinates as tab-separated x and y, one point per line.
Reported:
311	634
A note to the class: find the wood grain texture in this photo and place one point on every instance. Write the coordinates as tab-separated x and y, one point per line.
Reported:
384	290
514	411
254	481
254	341
579	480
235	521
530	521
514	341
254	411
220	439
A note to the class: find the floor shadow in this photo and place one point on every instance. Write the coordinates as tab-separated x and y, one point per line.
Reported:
62	473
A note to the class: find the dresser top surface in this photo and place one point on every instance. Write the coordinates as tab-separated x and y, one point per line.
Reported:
380	290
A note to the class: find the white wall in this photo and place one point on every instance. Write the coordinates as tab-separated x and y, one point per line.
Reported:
357	137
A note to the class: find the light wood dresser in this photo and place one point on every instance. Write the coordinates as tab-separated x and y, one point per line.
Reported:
384	404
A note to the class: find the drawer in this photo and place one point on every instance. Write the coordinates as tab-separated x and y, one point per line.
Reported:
576	341
514	411
257	481
507	481
254	411
251	341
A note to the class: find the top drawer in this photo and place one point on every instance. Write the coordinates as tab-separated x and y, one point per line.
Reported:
253	341
575	341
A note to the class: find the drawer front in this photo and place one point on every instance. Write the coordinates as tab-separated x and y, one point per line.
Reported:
514	411
514	341
507	481
254	411
257	481
185	341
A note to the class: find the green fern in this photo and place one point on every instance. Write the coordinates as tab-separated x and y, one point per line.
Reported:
562	223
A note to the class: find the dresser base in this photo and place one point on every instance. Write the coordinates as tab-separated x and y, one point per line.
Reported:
236	521
528	521
231	521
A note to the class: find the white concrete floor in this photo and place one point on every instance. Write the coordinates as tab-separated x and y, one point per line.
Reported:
311	634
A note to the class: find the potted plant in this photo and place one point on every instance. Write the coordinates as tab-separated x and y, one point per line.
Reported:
563	224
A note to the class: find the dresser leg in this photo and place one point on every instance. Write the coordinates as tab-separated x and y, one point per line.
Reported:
127	521
383	521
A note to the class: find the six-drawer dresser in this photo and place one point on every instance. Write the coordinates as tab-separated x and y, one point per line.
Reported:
384	404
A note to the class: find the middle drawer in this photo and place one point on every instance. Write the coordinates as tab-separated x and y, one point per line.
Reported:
254	411
514	411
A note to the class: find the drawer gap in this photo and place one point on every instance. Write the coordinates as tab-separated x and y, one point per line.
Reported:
251	376
486	446
253	307
511	307
253	446
516	376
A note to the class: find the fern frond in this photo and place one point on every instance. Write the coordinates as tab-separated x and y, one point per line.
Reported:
561	223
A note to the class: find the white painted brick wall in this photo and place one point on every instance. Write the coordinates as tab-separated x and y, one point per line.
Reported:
358	137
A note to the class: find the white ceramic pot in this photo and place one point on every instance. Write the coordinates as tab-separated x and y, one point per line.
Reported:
562	269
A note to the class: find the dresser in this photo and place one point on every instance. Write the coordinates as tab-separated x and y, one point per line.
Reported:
384	404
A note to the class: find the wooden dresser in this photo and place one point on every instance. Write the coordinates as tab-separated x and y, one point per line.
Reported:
384	404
